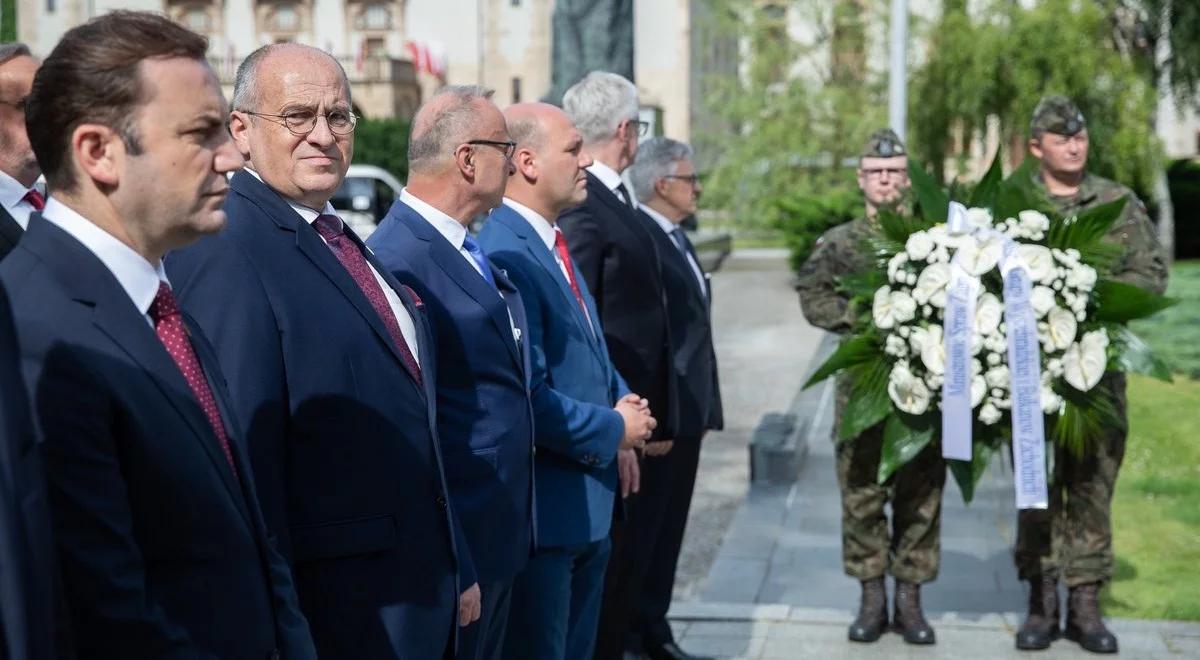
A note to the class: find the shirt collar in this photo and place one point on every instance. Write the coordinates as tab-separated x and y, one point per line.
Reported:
309	214
607	175
11	191
541	225
138	277
659	219
451	229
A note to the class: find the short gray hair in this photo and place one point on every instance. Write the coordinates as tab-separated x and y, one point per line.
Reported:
599	103
656	158
247	96
442	123
11	51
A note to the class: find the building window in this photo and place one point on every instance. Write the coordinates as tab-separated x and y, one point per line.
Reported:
284	18
516	90
197	19
375	16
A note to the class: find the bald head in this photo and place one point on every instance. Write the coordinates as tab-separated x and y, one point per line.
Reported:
262	71
456	114
549	160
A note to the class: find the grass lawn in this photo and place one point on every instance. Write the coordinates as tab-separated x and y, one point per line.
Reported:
1156	512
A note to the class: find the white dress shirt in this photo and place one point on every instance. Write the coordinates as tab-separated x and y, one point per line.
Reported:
670	227
12	196
408	329
138	277
448	227
546	232
611	179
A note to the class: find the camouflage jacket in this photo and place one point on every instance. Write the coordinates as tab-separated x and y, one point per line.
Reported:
839	252
1142	263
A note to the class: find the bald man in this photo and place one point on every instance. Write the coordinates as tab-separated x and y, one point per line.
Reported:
18	166
587	422
458	163
331	365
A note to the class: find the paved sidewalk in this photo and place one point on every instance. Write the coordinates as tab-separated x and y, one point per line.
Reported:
760	573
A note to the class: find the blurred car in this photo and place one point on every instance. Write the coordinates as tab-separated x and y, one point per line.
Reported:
365	197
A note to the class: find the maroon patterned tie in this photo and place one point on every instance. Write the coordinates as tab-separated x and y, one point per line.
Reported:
35	199
168	325
330	228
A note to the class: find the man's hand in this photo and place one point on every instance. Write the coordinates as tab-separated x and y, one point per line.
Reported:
658	448
469	606
631	474
635	411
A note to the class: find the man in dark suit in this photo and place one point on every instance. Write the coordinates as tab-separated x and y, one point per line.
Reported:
458	160
665	183
331	365
163	548
18	166
583	411
619	260
26	548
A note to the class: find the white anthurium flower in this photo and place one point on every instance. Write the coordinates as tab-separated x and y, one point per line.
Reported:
976	342
980	255
916	338
989	414
988	312
909	393
979	218
932	280
1033	222
996	342
1061	328
1084	363
978	391
1054	367
933	382
940	255
903	331
1039	261
1041	299
904	308
938	300
919	245
881	311
993	359
896	346
1082	277
1051	401
895	264
933	351
997	376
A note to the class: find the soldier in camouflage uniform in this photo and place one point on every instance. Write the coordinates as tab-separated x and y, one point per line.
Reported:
910	548
1072	539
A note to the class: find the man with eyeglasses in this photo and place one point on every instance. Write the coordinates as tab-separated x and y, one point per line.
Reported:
910	550
618	259
459	161
18	166
331	365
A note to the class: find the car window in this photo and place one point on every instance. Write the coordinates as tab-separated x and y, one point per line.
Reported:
355	194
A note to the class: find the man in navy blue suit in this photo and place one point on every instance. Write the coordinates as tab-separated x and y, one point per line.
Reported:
26	549
163	548
458	164
332	368
584	414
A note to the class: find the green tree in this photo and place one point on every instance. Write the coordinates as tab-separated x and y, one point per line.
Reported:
8	20
384	143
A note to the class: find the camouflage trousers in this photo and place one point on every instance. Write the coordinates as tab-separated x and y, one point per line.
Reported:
910	549
1073	537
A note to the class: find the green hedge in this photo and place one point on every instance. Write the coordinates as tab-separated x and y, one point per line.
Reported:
802	217
383	143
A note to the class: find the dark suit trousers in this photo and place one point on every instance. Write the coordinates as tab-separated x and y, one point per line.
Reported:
484	639
655	537
556	604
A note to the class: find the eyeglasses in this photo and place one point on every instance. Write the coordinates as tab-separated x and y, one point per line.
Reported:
508	147
302	122
691	179
878	172
643	126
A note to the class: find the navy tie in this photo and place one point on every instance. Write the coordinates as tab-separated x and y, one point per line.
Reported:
477	255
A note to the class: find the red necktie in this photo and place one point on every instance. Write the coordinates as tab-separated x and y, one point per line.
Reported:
330	228
168	325
560	246
35	199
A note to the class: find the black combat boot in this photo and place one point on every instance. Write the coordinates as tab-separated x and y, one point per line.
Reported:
908	618
1084	624
1041	624
872	612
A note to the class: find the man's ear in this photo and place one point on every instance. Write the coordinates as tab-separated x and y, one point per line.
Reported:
239	130
464	158
1035	148
98	153
526	164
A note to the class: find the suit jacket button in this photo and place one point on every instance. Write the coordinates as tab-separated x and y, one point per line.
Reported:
441	501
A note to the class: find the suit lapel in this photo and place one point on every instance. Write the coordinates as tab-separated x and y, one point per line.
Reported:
10	231
512	300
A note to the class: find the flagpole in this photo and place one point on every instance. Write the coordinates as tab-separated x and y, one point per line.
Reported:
897	77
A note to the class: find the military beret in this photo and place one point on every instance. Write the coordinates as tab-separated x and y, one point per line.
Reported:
1057	114
883	143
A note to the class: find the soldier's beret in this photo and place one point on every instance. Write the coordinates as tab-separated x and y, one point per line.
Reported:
1057	114
883	143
